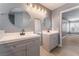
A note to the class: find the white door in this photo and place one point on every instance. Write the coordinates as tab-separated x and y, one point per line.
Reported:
37	26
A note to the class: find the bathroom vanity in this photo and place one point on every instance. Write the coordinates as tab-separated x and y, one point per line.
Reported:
50	40
12	44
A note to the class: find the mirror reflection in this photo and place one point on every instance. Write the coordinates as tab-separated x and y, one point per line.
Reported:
46	24
19	18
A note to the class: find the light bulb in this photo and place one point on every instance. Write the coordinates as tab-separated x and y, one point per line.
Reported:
35	9
45	11
39	9
42	10
30	4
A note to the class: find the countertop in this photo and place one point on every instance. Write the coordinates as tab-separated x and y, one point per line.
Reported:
50	32
12	37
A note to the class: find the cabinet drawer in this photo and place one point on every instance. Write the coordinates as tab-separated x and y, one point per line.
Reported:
23	41
19	46
18	50
4	50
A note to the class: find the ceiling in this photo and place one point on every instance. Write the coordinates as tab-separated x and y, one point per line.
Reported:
72	15
52	6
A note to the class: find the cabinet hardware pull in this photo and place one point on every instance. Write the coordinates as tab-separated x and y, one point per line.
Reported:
14	46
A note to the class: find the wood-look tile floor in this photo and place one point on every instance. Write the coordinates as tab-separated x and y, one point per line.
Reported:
70	48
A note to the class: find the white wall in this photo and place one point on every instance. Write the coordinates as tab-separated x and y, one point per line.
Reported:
4	21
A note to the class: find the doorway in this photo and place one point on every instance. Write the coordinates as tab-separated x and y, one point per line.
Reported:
69	23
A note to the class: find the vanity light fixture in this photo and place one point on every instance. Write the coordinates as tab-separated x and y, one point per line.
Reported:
36	11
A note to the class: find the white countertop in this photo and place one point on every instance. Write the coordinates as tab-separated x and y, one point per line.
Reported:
50	32
11	37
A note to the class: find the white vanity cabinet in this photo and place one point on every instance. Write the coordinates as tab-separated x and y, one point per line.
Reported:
20	47
25	49
50	40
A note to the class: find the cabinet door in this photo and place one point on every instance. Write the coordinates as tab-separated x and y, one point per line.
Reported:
53	41
46	41
18	50
4	50
33	48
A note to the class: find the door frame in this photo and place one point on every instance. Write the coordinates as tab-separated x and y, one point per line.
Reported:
60	30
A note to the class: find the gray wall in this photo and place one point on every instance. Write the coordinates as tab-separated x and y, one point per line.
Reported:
56	14
4	20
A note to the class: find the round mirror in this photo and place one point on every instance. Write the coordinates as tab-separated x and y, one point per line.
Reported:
20	18
46	23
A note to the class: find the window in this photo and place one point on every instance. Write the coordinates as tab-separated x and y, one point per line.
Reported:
71	27
74	27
